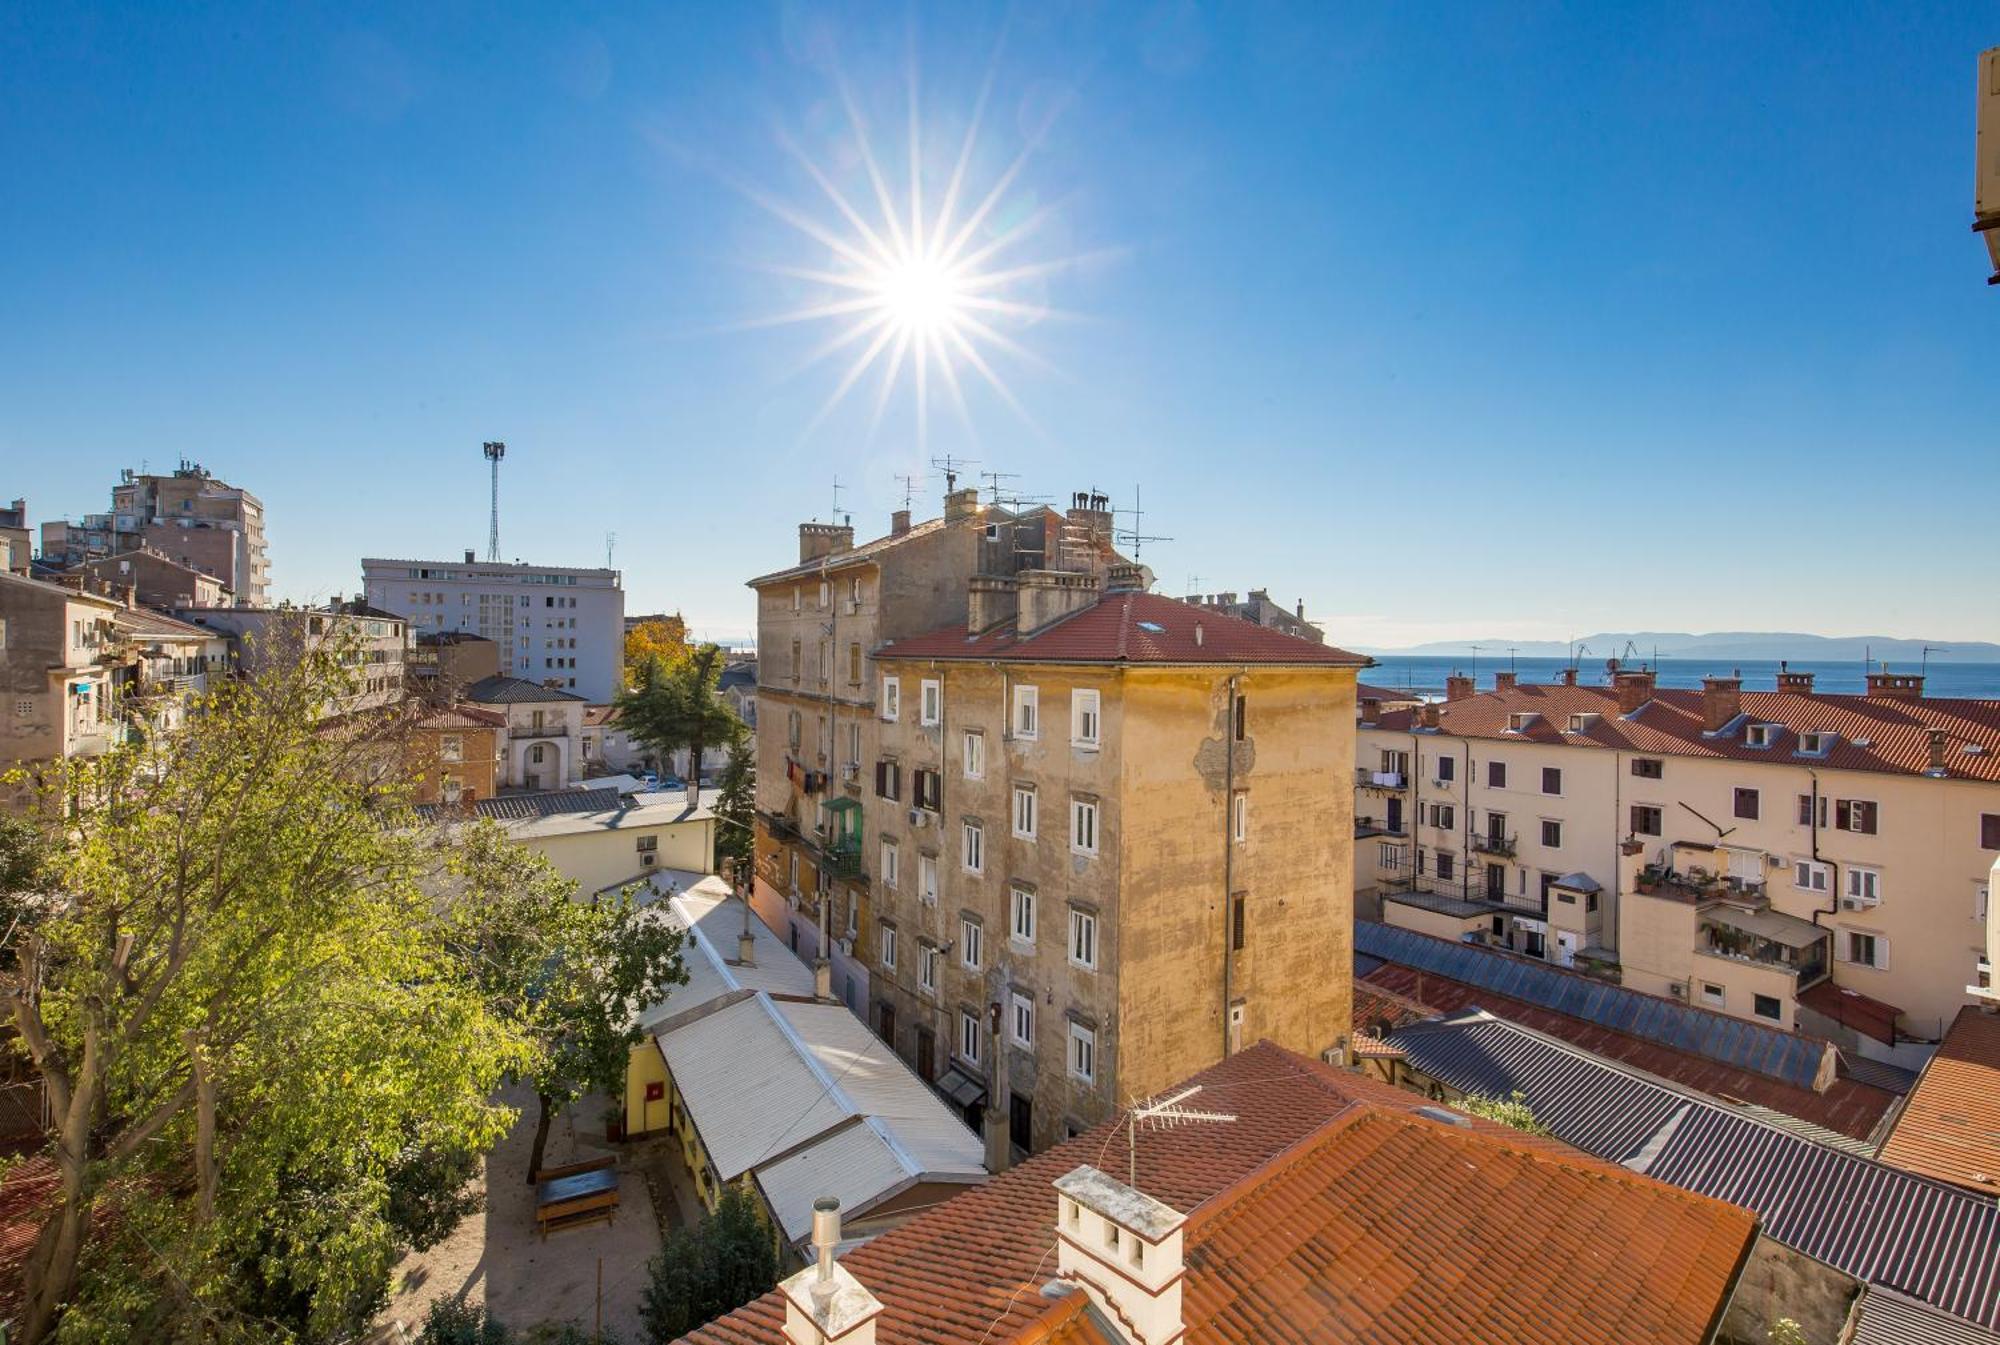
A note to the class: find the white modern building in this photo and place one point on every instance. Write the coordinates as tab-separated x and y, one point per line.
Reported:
557	626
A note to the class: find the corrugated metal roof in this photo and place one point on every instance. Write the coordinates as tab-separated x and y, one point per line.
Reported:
716	922
1884	1317
856	1164
751	1092
1880	1225
1798	1060
1950	1127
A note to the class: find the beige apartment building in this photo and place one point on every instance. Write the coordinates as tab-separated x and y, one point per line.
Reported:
1075	839
1816	861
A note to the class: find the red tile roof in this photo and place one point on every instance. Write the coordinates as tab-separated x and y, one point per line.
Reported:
1328	1211
1387	695
1127	626
1950	1126
463	717
1847	1106
1896	733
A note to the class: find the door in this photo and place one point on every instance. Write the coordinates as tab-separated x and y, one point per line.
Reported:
889	1024
1496	882
1565	948
926	1054
1395	814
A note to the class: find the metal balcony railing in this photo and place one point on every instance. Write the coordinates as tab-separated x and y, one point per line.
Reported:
1504	846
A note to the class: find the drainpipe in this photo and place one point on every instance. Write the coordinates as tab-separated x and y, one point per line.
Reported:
1228	856
1833	865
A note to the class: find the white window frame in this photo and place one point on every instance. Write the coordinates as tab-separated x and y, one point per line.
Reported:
1025	717
1239	816
892	699
1021	916
1879	942
1809	875
888	935
1083	938
451	747
1086	719
1864	885
891	863
930	703
970	1030
1759	736
973	847
1084	820
973	755
1021	1019
1082	1053
927	879
971	943
1714	996
1027	809
927	960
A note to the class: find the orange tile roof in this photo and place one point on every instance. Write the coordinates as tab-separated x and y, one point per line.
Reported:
1127	626
1950	1126
1329	1210
1896	733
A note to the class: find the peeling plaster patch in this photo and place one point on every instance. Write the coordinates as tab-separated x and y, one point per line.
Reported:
1211	761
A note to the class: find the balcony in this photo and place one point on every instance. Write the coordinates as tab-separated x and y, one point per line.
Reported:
1770	938
1504	847
1367	779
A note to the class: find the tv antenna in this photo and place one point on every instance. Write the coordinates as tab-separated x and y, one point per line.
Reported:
951	467
909	483
495	450
1924	669
993	480
836	499
1132	534
1161	1115
1194	586
610	544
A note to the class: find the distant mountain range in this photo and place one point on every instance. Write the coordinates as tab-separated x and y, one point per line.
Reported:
1749	646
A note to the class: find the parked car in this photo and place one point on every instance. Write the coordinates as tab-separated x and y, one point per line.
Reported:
652	779
672	782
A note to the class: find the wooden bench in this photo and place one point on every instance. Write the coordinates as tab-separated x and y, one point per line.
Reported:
576	1193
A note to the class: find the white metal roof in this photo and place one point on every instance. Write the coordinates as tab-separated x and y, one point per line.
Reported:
859	1163
751	1091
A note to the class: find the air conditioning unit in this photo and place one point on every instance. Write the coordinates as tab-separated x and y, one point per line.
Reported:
845	947
918	817
649	859
1677	990
1859	903
851	771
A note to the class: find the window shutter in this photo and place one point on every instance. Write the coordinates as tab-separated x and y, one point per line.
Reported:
1843	812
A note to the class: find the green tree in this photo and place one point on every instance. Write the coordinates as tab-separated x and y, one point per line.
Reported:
1508	1111
665	640
249	998
736	807
672	705
704	1272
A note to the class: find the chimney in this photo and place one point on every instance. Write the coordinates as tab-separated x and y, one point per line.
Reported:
1302	609
1127	577
990	600
1888	686
1046	595
1124	1249
823	980
824	539
1457	687
1635	688
1505	681
824	1302
1801	682
1569	677
468	556
1937	767
1721	701
899	523
1429	714
961	504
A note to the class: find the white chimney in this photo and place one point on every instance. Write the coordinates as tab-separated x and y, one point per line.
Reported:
1123	1248
823	1302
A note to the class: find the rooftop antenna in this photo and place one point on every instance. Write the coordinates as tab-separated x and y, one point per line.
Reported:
495	450
835	518
1194	585
993	480
1924	669
610	544
1132	534
951	467
1512	650
909	487
1159	1116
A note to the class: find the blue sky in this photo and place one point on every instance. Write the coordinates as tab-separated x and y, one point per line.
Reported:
1512	320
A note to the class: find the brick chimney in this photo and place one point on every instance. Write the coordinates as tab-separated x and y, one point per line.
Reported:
1505	681
1047	595
1635	688
1721	701
990	600
1124	1249
1427	715
1888	686
1801	682
1569	677
824	1302
1457	687
824	539
1937	766
899	523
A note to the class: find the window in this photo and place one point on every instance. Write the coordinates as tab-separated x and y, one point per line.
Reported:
1552	833
1758	735
892	699
1082	1053
1747	805
451	789
1866	950
891	863
1027	712
888	780
975	756
451	747
1864	887
854	663
1236	918
1989	831
1239	815
1859	815
1083	718
1390	856
795	658
1083	938
971	943
968	1036
1647	768
1083	826
927	888
1445	860
1645	820
927	960
889	947
1806	810
1021	1019
1809	875
1241	718
1444	816
1024	812
1552	780
973	850
646	845
1447	767
927	789
1496	775
1815	744
825	593
1713	995
1767	1006
1021	916
930	705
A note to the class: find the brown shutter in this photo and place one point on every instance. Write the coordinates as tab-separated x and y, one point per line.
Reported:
1842	812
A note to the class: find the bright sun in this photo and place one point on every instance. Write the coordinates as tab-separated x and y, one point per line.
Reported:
920	297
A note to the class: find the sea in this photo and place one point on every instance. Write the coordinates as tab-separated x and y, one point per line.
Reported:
1425	674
